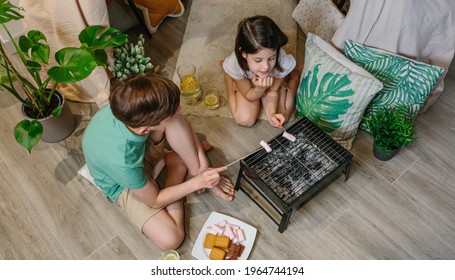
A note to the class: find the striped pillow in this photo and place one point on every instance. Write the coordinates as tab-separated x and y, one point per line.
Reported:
406	81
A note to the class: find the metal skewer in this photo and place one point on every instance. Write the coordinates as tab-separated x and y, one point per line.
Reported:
235	161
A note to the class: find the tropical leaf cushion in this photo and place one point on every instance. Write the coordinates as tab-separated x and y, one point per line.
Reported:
406	82
333	92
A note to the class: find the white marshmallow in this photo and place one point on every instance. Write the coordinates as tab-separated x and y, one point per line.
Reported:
289	136
211	231
228	232
241	235
266	146
234	226
222	224
217	229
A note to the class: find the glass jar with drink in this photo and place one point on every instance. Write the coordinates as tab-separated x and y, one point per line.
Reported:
189	87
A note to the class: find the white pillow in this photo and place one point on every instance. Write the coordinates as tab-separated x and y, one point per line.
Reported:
334	92
84	172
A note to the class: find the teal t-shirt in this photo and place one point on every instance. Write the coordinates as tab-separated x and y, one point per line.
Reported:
114	155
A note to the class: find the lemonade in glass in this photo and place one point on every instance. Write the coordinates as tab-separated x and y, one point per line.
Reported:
189	87
170	255
211	98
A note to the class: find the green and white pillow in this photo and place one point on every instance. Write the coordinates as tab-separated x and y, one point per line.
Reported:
407	82
334	92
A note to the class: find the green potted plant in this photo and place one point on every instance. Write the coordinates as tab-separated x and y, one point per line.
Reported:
129	59
392	129
36	87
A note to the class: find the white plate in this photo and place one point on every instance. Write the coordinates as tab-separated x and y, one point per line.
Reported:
200	253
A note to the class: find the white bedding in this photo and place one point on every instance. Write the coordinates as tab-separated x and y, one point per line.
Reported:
419	29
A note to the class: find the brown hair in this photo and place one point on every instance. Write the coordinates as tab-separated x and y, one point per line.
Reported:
256	33
144	100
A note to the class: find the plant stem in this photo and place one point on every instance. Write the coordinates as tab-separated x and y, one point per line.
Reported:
25	84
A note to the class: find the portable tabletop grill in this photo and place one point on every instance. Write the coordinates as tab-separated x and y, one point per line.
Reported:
294	172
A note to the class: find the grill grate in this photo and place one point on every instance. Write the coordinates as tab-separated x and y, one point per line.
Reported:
288	176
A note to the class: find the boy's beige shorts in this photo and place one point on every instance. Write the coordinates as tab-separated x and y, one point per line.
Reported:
136	210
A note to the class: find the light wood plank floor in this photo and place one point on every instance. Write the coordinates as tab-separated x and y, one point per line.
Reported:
401	209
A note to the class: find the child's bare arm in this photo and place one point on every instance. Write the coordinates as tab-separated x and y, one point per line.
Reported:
156	198
270	103
249	90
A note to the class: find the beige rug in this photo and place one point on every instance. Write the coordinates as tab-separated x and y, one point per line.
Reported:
210	34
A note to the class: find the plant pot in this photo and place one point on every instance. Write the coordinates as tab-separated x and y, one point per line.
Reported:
56	129
384	154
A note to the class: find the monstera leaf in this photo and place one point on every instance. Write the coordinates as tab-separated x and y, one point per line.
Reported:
32	47
75	64
324	102
96	38
8	12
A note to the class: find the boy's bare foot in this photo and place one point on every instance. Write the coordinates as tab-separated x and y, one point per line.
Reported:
224	189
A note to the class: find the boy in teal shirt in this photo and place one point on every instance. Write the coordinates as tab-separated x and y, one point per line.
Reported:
147	108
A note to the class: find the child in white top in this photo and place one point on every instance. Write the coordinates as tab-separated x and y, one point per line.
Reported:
260	71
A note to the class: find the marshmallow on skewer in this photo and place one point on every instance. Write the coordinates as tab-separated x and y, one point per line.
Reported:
266	146
289	136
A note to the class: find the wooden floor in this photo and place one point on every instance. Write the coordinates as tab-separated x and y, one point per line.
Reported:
400	209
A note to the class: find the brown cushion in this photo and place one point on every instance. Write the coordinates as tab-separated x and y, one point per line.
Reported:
155	11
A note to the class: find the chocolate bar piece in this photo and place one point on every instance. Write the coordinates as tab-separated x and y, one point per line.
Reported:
241	249
235	250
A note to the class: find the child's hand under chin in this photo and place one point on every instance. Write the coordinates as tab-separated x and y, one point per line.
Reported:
262	83
277	120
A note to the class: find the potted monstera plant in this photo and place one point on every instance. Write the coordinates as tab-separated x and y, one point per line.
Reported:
35	87
392	129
